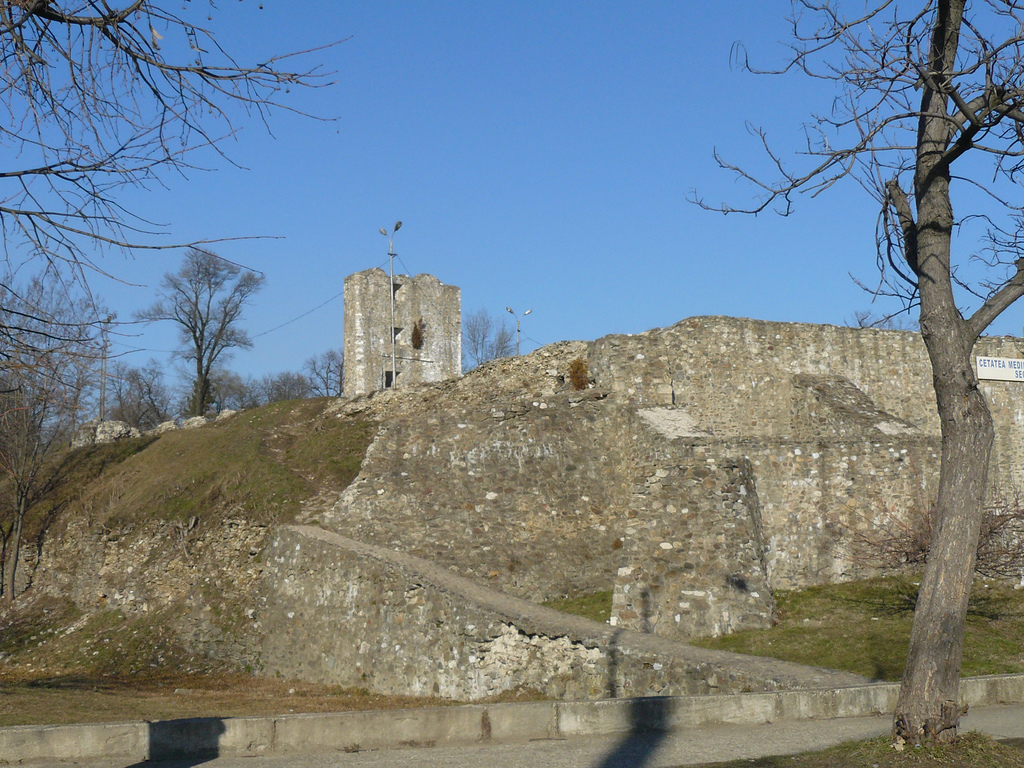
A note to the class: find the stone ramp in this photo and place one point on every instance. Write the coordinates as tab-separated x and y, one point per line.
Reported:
341	611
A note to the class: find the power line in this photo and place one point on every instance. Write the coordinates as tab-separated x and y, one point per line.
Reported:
309	312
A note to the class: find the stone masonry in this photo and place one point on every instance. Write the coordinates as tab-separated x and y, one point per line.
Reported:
352	614
427	331
709	464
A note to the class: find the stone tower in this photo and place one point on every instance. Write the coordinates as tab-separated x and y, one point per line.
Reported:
427	331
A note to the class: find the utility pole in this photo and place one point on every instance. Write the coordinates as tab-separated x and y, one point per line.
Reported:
391	259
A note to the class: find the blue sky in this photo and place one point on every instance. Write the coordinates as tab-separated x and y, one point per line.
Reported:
540	156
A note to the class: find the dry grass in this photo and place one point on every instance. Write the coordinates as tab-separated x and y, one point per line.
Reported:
72	698
596	606
261	463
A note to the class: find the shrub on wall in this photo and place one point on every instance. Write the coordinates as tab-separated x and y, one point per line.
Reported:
894	541
417	334
579	374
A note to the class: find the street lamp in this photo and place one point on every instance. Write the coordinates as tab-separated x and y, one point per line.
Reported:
103	370
509	309
391	259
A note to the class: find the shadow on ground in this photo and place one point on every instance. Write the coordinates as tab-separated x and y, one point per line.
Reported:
648	728
184	743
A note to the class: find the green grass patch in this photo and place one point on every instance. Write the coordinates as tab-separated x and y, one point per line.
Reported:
972	750
596	606
864	627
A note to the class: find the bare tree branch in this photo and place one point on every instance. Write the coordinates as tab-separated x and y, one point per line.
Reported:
95	97
205	299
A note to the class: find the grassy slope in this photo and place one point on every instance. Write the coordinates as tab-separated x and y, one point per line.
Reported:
262	463
862	627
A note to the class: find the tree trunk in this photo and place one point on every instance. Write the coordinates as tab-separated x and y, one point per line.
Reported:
928	707
5	535
13	550
929	702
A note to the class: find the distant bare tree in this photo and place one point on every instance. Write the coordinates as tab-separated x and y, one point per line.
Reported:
205	299
485	339
289	385
231	392
326	373
139	396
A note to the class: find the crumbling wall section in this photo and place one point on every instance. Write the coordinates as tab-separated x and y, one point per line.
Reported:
342	612
423	338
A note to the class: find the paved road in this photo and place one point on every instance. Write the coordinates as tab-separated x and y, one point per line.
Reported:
684	747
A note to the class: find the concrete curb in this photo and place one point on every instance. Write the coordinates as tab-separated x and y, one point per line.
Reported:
353	731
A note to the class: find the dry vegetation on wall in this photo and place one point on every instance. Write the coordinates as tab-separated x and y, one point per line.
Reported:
579	374
417	333
895	541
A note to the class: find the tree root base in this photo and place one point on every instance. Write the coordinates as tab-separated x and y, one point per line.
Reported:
938	728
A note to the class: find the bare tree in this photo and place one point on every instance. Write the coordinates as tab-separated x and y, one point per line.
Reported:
485	339
100	96
326	373
205	299
139	396
231	392
923	86
273	388
42	378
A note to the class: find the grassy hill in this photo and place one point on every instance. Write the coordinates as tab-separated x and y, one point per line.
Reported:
166	505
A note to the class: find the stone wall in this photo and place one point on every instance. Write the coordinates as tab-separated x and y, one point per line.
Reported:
694	555
710	463
740	379
505	476
199	578
369	330
343	612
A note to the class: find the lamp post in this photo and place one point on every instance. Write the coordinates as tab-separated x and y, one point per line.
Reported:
103	370
391	259
517	325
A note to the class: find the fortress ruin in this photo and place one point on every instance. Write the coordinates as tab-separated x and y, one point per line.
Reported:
708	465
420	342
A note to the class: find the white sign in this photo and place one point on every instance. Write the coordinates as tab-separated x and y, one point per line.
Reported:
1000	368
